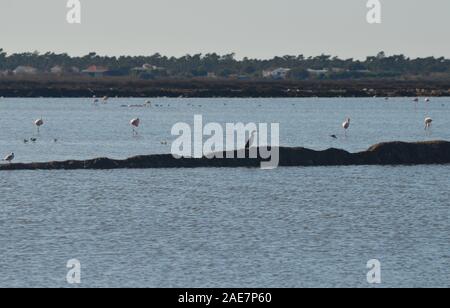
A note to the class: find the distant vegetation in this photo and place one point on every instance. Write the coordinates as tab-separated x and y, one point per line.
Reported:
214	66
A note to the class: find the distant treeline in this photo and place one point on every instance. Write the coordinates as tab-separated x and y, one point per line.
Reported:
212	65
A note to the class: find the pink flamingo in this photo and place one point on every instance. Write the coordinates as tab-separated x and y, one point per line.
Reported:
346	125
135	124
428	123
39	123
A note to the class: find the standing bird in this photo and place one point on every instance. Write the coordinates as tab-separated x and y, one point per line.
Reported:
346	125
135	124
9	158
105	99
251	140
428	123
427	100
39	123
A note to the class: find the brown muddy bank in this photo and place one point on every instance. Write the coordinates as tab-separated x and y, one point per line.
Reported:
130	87
391	153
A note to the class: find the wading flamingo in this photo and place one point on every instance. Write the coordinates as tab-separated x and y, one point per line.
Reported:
135	124
39	123
346	125
428	123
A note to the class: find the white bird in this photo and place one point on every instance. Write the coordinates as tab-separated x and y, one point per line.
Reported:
427	100
148	103
39	123
251	140
135	124
428	123
346	125
105	99
9	158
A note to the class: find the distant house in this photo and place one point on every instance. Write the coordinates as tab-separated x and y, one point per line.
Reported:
151	67
74	70
317	72
25	70
279	73
339	70
147	68
148	71
57	70
6	73
96	71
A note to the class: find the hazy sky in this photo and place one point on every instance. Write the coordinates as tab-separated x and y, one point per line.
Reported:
253	28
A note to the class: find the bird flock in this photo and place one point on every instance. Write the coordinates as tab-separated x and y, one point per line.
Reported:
428	120
135	123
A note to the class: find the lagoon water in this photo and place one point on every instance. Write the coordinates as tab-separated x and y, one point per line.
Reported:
289	227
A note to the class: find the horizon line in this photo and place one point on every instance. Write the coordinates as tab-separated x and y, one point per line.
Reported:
236	56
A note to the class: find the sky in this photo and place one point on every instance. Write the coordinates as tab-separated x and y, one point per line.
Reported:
249	28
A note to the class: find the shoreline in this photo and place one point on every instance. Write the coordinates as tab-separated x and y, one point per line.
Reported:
389	153
54	87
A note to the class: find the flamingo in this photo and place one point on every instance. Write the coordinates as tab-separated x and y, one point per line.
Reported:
428	123
9	158
39	123
251	140
135	124
346	125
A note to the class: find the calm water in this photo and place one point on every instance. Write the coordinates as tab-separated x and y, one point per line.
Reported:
289	227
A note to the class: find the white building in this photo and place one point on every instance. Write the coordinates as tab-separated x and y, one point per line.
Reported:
57	70
279	73
317	72
148	68
25	70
